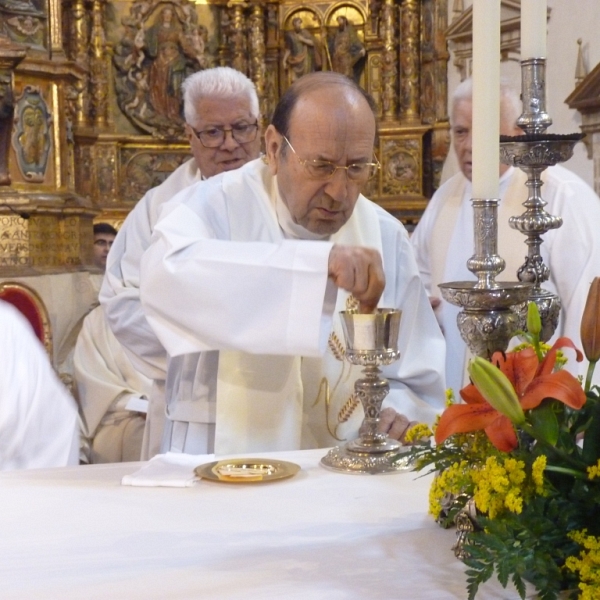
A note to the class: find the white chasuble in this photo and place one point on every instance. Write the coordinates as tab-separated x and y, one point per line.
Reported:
241	300
261	398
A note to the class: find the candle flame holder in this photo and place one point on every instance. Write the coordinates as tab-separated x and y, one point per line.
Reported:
371	341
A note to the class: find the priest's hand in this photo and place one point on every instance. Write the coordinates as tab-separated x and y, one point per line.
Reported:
359	271
394	424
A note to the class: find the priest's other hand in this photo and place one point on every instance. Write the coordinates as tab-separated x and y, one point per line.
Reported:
359	271
394	424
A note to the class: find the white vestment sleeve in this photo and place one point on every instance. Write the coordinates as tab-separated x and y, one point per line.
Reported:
236	280
120	294
38	417
571	252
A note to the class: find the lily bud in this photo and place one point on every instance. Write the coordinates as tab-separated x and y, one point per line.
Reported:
497	389
590	323
534	321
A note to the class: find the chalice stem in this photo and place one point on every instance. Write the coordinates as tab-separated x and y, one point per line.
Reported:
371	391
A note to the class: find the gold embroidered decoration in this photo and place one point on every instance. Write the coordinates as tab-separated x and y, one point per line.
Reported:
339	353
336	347
347	410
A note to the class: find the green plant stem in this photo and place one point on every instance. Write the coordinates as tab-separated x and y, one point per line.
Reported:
553	450
564	470
589	375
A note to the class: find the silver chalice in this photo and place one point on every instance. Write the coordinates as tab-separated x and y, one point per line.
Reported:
371	341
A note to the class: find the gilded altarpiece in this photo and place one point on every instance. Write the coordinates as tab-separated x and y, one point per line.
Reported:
91	109
128	126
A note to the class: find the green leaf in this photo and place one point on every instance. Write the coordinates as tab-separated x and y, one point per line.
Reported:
544	423
591	441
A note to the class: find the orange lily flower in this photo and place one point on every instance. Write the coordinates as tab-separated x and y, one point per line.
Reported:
533	382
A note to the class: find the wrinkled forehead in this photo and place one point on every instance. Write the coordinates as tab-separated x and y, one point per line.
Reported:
333	110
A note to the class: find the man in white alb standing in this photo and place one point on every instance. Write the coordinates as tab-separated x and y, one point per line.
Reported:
221	110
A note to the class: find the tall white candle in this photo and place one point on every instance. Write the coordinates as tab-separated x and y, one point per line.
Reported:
486	98
533	28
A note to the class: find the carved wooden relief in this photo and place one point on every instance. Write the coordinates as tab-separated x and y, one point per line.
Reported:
145	169
160	45
31	138
25	22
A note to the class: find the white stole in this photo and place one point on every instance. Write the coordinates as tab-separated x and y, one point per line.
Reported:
260	397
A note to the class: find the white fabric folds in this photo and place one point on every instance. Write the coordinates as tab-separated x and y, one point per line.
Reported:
167	470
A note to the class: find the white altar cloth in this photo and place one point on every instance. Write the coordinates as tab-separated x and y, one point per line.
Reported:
76	533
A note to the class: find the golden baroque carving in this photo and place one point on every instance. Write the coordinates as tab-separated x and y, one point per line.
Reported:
409	60
401	167
145	169
7	111
32	139
24	22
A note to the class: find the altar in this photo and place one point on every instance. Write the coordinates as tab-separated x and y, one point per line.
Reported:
76	532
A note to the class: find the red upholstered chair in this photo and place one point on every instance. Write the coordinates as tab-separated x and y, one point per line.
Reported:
28	302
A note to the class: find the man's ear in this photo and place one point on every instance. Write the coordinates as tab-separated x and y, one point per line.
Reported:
273	143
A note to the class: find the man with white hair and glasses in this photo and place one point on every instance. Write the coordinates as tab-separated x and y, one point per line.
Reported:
221	111
247	273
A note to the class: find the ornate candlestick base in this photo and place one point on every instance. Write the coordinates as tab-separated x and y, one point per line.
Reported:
491	315
371	341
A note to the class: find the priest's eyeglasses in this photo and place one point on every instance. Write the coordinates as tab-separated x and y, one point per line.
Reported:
325	169
213	137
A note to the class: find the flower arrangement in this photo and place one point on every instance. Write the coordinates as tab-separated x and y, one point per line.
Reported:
524	449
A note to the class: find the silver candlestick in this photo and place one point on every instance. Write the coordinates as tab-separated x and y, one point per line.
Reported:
371	341
488	321
534	152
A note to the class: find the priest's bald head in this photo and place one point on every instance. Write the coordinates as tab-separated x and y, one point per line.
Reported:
221	111
461	119
320	145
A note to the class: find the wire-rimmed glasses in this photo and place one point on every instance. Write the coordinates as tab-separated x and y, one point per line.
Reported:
325	169
213	137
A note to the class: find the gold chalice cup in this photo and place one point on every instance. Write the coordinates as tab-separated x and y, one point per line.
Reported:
371	341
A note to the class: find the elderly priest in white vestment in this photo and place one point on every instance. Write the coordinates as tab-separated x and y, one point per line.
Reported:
221	110
246	274
443	239
38	417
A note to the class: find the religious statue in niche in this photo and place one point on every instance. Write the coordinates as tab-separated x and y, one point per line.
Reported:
347	50
24	21
161	45
303	52
31	138
7	111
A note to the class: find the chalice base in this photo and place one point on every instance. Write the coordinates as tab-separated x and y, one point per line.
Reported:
354	457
